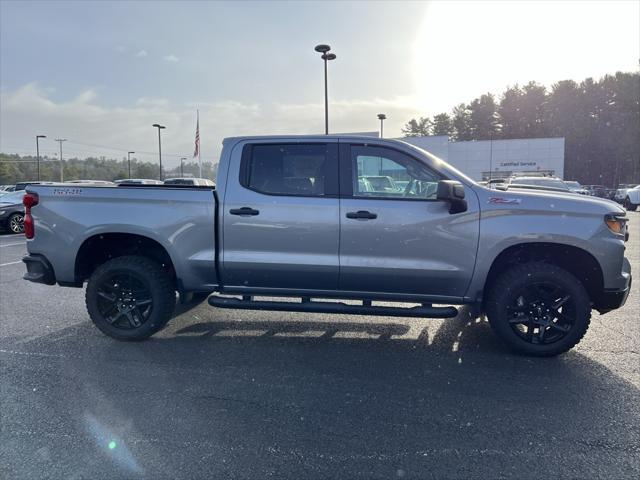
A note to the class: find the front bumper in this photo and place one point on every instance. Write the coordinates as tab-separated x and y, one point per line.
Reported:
611	298
39	270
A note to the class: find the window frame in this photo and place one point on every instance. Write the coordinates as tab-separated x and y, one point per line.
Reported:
346	173
331	183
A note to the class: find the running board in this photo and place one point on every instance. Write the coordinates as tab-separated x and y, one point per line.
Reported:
308	305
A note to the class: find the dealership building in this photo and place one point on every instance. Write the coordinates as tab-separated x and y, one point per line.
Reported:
483	159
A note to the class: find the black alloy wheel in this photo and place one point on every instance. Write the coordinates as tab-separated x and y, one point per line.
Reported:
124	300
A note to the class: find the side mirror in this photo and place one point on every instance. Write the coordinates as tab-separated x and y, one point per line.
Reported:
452	191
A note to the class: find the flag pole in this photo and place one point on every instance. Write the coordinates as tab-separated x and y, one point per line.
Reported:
199	159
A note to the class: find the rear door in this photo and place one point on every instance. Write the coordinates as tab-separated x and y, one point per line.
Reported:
396	237
281	216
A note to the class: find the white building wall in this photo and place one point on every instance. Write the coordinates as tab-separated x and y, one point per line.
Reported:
501	157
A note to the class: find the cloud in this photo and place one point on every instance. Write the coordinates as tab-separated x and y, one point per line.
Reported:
142	53
171	58
86	119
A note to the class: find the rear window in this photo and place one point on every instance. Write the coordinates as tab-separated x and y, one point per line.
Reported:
301	170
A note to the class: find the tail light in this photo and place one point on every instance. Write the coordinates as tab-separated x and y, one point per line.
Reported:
29	200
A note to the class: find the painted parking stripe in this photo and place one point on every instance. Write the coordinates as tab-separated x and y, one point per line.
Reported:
12	244
10	263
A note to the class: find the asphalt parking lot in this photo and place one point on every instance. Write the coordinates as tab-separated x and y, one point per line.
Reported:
224	393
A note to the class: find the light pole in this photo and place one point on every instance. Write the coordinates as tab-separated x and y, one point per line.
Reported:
326	56
60	140
159	127
129	162
38	137
382	117
182	166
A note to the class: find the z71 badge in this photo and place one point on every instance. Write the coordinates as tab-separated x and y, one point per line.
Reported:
504	201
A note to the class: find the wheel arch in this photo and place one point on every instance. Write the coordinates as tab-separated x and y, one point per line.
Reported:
101	247
575	260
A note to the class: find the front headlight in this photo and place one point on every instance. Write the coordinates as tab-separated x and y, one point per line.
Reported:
617	222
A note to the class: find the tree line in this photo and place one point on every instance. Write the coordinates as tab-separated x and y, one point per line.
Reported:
599	119
16	168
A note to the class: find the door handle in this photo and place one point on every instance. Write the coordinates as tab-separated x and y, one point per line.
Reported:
362	214
244	211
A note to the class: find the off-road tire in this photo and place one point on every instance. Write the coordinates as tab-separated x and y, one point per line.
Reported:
156	280
504	291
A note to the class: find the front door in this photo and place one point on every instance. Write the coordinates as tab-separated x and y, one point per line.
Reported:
396	237
281	217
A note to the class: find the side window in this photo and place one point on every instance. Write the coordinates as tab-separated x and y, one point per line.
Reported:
277	169
385	173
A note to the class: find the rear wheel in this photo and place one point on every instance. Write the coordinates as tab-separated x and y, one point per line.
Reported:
630	206
538	309
130	298
16	223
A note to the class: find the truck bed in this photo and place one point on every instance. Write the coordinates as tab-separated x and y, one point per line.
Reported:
181	219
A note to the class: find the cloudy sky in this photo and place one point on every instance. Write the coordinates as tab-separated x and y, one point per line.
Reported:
100	73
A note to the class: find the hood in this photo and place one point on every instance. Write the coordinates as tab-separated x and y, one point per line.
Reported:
547	200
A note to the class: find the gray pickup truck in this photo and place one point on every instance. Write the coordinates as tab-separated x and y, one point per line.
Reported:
294	225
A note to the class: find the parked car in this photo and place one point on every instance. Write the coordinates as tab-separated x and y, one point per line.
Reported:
7	188
536	262
538	183
196	182
90	182
575	187
137	181
596	190
632	199
22	185
381	183
621	192
12	212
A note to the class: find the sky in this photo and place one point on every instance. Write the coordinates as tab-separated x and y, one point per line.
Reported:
101	73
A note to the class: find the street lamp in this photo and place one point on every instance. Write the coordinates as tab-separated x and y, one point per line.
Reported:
159	127
182	165
38	137
326	56
129	162
382	117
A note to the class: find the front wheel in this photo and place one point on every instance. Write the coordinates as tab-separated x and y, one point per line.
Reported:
630	206
130	298
538	309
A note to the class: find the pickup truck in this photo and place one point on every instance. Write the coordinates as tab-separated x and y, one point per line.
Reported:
289	227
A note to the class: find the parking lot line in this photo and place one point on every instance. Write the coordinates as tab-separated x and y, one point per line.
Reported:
10	263
12	244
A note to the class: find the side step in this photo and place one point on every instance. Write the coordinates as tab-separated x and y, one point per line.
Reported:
308	305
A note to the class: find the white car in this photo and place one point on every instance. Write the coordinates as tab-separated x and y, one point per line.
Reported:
632	199
621	192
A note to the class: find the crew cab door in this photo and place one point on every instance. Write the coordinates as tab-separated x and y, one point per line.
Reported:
281	216
396	237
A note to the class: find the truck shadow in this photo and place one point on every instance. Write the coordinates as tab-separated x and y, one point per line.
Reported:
349	400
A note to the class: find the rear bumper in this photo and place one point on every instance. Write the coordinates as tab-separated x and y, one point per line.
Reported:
39	270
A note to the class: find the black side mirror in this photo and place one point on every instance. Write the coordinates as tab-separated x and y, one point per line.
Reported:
452	191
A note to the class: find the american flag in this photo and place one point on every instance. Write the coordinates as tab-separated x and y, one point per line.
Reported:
196	151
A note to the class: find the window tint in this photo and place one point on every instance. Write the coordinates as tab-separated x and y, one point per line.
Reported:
385	173
289	169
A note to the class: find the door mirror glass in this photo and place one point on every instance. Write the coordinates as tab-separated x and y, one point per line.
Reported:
452	191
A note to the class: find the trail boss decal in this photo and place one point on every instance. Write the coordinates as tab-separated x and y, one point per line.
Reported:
504	201
67	192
